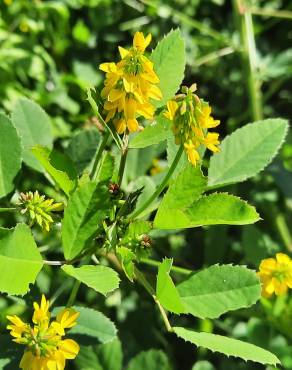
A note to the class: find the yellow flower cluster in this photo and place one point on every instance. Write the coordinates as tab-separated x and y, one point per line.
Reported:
46	350
276	275
192	118
129	86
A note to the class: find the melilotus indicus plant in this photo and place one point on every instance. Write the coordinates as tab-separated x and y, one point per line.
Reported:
103	225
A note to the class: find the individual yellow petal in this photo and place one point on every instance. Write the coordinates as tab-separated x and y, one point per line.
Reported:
130	108
120	126
155	93
211	141
172	107
69	348
268	265
139	41
132	125
26	361
146	110
282	258
115	94
123	52
108	67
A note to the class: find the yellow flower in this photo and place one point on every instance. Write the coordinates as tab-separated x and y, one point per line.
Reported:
276	275
45	347
129	87
192	118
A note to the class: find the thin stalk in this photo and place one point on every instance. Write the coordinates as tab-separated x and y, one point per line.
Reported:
143	281
98	156
180	270
54	263
284	232
264	12
161	187
73	294
250	60
123	160
214	55
8	209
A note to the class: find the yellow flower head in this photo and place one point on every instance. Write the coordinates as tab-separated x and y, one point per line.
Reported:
276	275
45	347
192	118
129	87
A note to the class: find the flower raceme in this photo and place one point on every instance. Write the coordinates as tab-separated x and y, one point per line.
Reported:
192	118
276	275
130	85
39	208
45	348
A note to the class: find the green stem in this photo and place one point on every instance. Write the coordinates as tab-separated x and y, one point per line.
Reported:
8	209
123	160
98	156
73	294
284	232
250	60
143	281
180	270
264	12
213	56
161	187
94	107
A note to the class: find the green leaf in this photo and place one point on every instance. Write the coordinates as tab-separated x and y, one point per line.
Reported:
214	209
169	64
91	323
106	168
218	289
227	346
127	257
153	134
10	155
166	291
34	128
150	360
82	148
137	228
20	260
182	192
106	356
100	278
86	208
247	151
59	167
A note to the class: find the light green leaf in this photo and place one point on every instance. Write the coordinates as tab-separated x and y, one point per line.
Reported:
100	278
150	360
59	167
182	192
87	206
127	257
247	151
153	134
10	155
169	64
93	324
137	228
228	346
218	289
20	260
82	148
166	291
34	128
214	209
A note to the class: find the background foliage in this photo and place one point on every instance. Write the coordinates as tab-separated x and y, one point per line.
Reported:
49	53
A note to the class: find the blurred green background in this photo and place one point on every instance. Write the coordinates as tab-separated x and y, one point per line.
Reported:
240	55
